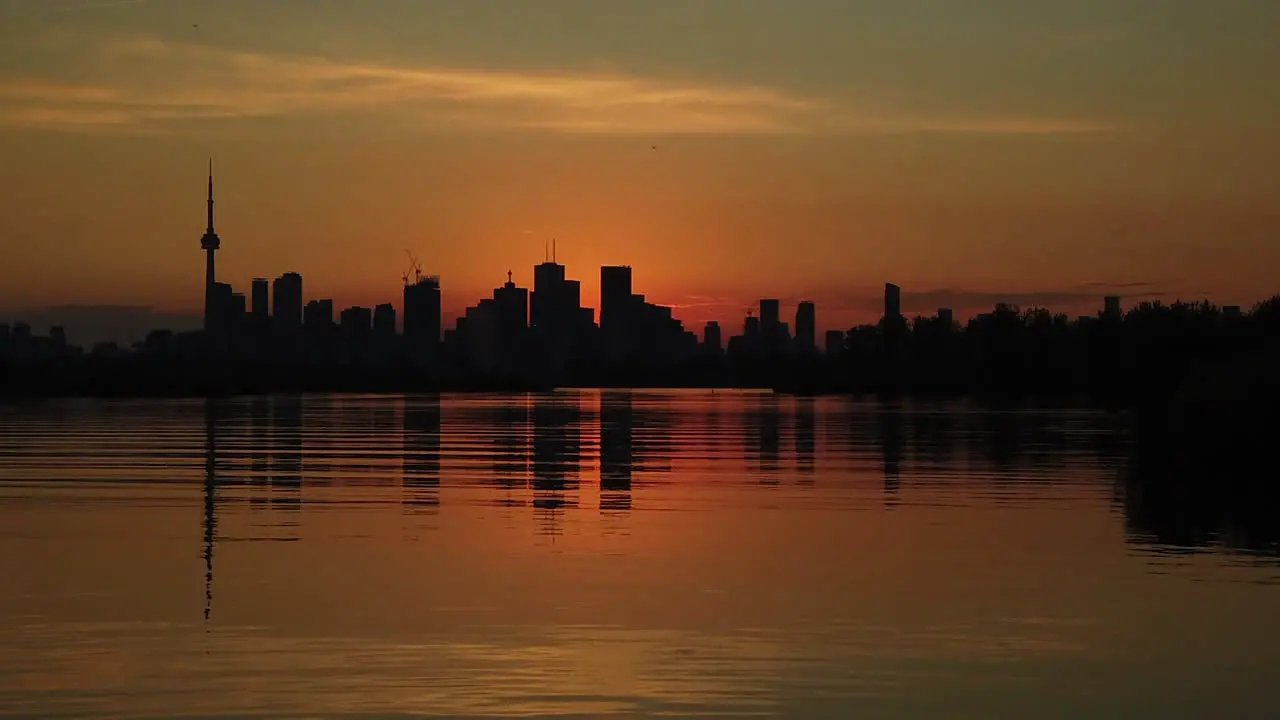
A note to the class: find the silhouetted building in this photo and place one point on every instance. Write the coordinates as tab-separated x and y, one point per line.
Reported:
711	337
236	309
260	295
835	342
547	303
770	314
946	318
892	301
286	303
318	315
1111	305
512	323
615	307
422	318
751	329
58	334
356	323
210	243
219	310
806	327
384	321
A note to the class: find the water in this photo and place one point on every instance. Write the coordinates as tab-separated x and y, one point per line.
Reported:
612	555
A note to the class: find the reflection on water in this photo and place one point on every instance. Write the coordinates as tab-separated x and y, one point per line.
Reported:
619	553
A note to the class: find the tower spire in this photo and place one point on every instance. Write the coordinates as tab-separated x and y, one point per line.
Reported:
210	194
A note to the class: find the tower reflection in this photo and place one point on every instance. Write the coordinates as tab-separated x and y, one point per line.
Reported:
557	456
420	476
511	449
764	436
209	523
805	422
286	460
889	433
617	423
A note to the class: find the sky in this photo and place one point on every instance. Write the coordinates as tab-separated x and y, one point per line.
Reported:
1031	151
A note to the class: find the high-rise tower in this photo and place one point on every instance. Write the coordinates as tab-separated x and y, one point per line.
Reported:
210	244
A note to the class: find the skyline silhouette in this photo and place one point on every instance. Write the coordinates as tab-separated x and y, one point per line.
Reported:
1018	169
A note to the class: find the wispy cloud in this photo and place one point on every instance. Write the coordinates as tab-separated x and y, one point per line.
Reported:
100	5
151	84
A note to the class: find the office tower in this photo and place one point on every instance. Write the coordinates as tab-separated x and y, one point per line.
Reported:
58	334
318	315
220	307
510	325
236	309
356	322
1231	312
384	320
422	309
1111	305
615	298
806	326
835	342
946	318
286	302
513	307
892	301
260	295
210	244
751	328
770	314
546	304
711	338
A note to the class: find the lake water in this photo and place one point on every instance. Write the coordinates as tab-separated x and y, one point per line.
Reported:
613	555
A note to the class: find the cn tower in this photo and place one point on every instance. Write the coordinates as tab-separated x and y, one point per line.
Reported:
209	243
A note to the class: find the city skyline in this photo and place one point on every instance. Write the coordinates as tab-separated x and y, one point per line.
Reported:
1044	155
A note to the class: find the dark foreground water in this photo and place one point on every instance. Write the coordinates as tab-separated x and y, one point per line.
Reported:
615	554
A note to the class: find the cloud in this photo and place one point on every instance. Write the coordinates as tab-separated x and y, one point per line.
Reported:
152	84
100	5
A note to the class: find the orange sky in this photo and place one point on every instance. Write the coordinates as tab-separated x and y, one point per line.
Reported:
1036	155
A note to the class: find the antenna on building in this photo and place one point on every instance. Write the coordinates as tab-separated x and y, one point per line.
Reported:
553	249
508	276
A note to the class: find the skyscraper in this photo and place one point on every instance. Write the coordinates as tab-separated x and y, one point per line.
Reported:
210	244
286	302
770	314
1111	305
422	308
615	297
806	326
711	338
260	295
384	321
835	343
892	301
546	304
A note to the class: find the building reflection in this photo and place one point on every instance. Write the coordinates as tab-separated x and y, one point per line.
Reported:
617	426
764	437
889	419
259	442
805	444
511	450
557	457
420	476
286	460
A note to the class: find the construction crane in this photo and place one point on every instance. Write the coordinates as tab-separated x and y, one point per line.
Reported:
414	267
